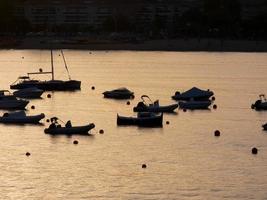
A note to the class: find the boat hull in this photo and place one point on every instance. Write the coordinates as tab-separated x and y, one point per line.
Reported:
35	119
264	126
13	104
194	105
259	106
117	95
156	109
28	95
155	121
77	130
52	85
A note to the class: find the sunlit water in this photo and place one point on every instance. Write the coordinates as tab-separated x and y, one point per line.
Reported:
184	160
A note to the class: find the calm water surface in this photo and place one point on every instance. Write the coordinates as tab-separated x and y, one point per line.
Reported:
184	160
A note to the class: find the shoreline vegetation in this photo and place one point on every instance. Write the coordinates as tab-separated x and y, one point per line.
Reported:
190	44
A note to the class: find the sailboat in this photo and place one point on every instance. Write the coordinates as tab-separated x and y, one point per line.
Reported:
50	85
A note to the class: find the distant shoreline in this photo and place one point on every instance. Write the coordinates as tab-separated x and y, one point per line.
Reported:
212	45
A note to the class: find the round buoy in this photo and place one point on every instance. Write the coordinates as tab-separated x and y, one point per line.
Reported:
213	98
93	87
132	97
184	110
32	107
254	150
40	70
143	166
167	122
48	95
27	153
101	131
22	57
47	120
214	106
75	142
217	133
128	103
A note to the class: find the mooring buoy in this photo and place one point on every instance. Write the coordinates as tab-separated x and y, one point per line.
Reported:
217	133
254	150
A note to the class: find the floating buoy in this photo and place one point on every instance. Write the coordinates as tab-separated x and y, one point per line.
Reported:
128	103
217	133
254	150
40	70
214	106
48	95
213	98
75	142
22	57
143	166
132	97
167	122
32	107
184	110
27	153
101	131
93	87
47	120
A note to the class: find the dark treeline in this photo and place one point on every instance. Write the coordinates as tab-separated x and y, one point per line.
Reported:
211	18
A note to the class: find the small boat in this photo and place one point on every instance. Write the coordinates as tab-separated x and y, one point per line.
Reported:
195	93
143	119
56	129
260	104
20	117
29	93
192	104
50	85
144	106
264	126
9	101
120	93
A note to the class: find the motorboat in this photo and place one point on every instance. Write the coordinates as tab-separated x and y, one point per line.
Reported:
147	105
9	101
28	93
192	104
143	119
20	117
195	93
260	104
57	129
50	85
264	126
120	93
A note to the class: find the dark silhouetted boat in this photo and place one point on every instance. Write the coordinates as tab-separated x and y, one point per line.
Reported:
144	106
50	85
143	119
192	104
56	129
195	93
260	104
28	93
9	101
20	117
120	93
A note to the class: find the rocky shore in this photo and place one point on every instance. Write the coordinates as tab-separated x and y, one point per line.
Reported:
146	45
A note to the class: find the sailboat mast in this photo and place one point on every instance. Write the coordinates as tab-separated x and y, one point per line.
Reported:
52	65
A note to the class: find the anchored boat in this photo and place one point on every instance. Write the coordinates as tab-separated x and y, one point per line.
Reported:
50	85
